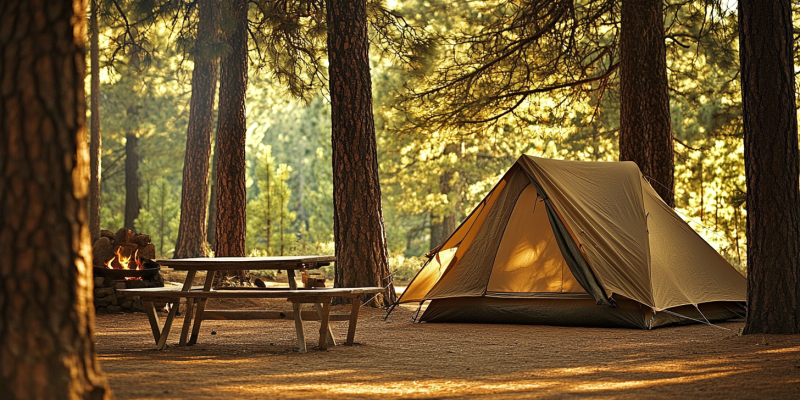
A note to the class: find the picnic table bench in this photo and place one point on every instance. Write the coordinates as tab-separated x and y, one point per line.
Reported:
198	295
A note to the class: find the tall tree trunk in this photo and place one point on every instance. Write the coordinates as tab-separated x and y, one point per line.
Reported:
95	141
359	232
645	133
47	343
771	166
231	129
211	225
194	191
132	204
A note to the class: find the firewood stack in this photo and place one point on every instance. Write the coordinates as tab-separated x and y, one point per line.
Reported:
126	243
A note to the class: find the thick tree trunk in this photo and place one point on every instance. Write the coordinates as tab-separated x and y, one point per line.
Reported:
358	215
47	343
771	166
231	129
645	130
194	193
132	204
95	141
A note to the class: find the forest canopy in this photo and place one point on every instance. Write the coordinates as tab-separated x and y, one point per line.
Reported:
450	115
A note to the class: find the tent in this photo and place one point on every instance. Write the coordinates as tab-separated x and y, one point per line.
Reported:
576	243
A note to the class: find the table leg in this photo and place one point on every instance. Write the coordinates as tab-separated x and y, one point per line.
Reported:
201	307
324	329
150	309
320	311
298	326
187	320
187	286
351	328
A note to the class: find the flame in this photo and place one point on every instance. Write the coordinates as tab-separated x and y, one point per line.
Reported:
124	261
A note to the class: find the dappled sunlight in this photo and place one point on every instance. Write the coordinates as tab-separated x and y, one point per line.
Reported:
398	359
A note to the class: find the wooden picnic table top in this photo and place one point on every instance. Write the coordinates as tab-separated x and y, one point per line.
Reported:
248	263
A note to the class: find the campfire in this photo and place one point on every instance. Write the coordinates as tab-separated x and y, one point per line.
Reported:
124	250
123	260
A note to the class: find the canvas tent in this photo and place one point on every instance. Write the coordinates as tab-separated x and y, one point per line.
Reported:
576	243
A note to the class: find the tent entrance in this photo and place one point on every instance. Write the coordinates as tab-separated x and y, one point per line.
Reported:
529	259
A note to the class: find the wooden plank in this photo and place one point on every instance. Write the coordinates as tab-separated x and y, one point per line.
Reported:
187	321
318	307
351	328
162	340
201	307
249	263
266	294
298	326
323	325
152	316
242	315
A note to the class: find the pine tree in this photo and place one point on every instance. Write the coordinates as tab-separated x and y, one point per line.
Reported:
771	165
47	341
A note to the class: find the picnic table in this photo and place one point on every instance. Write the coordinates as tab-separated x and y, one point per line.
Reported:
197	296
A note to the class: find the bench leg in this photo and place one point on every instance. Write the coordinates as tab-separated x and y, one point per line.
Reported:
150	309
324	328
201	307
320	312
351	328
298	326
187	321
162	339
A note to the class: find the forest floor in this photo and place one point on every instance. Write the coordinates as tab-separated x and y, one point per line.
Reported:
400	359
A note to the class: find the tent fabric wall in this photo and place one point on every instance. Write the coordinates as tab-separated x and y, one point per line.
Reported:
676	252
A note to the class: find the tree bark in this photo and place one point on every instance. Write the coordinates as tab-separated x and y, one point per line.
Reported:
211	226
132	204
359	232
47	343
231	129
95	140
194	193
645	130
771	167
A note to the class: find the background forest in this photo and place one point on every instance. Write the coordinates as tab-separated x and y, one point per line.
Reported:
434	168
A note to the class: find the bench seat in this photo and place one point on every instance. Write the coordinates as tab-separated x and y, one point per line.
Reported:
255	293
320	297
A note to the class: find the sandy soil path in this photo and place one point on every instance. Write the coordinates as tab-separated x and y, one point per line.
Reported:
399	359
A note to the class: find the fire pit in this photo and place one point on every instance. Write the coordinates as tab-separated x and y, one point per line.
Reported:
123	261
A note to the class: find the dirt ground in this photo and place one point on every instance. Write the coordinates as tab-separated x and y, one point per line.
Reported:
400	359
